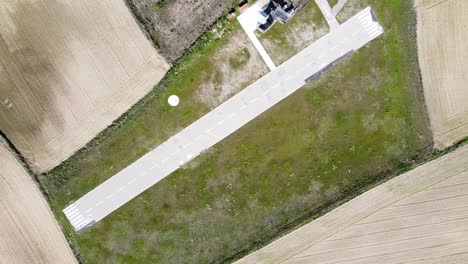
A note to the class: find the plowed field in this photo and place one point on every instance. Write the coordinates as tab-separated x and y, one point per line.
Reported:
443	57
28	230
67	70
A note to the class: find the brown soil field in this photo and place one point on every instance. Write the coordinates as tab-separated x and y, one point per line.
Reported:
28	230
418	217
175	25
68	69
443	57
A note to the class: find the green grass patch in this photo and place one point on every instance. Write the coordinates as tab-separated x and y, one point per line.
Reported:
359	121
332	3
239	58
160	6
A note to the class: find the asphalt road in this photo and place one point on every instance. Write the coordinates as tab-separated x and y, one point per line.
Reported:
222	121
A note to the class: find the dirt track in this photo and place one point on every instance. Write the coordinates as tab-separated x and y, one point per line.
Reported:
443	57
67	70
28	230
418	217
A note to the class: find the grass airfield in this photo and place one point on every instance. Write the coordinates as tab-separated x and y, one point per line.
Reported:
357	124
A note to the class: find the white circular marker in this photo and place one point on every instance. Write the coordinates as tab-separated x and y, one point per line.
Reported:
173	100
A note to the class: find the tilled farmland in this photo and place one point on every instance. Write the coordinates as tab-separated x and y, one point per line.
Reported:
68	70
28	230
442	37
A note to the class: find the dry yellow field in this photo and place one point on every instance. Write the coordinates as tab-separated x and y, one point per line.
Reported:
67	70
28	230
418	217
443	58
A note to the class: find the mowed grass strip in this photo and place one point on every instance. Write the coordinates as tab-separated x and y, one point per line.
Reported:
361	120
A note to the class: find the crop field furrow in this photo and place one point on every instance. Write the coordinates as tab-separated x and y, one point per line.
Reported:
28	231
443	57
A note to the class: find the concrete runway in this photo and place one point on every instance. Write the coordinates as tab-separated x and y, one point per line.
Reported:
223	120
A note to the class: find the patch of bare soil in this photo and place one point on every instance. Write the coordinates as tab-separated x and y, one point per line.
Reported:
237	64
174	25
